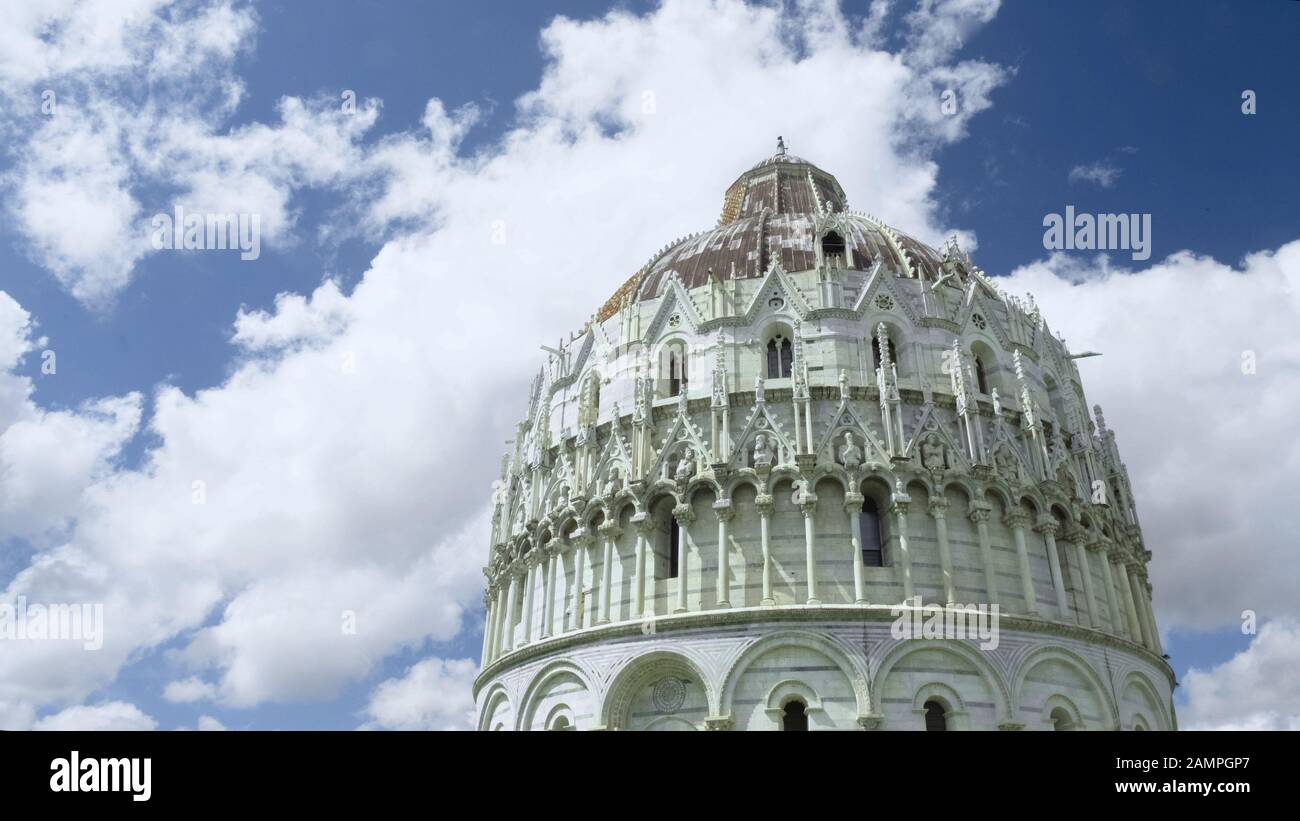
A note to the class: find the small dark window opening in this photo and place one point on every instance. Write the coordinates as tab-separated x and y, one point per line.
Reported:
935	718
980	377
795	718
873	548
780	358
833	250
676	373
875	351
674	543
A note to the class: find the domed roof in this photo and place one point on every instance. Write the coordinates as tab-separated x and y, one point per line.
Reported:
781	205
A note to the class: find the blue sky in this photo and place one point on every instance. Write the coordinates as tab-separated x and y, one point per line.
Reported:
1149	92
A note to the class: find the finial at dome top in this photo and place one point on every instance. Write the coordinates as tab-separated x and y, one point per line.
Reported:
780	146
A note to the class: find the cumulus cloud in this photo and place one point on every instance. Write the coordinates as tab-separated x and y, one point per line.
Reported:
104	157
326	505
1200	379
432	695
210	724
188	690
111	715
49	458
1257	689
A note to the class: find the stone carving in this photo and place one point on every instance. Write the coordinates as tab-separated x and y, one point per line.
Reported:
997	403
758	388
844	385
685	466
850	453
1007	464
612	483
762	450
932	453
669	694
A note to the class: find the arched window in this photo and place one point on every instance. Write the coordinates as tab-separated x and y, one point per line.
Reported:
1061	720
674	546
875	351
873	550
980	378
780	357
795	717
936	719
833	250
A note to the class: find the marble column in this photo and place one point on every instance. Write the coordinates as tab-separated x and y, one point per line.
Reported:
508	627
1089	589
685	518
530	582
1048	527
1151	617
502	613
853	507
765	508
725	513
609	532
1112	600
1134	626
809	508
1017	521
581	544
979	514
939	512
899	509
638	583
488	616
548	589
1144	609
643	606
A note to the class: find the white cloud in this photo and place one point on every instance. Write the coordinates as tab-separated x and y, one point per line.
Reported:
346	461
49	458
189	690
210	724
1257	689
1102	172
1211	450
111	715
84	184
432	695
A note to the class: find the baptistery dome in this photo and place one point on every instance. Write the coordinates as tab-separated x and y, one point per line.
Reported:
770	481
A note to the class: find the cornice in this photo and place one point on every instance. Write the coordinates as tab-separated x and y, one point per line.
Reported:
851	613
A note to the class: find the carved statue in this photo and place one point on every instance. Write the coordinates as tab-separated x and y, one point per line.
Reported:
932	453
850	453
611	483
758	388
997	403
563	501
685	466
1007	464
844	385
762	450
